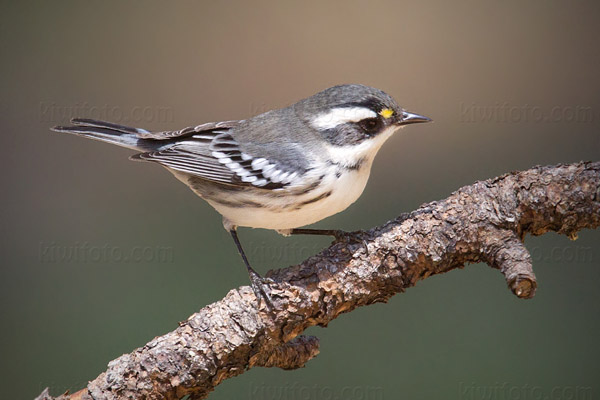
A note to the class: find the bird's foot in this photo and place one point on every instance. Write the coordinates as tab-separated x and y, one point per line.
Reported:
352	237
261	288
342	236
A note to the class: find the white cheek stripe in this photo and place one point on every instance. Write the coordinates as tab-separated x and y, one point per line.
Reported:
341	115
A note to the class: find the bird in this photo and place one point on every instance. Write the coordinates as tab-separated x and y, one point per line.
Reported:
281	170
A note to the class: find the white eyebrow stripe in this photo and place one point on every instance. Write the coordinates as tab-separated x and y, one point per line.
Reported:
341	115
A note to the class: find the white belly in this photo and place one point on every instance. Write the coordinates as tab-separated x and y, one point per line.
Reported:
279	213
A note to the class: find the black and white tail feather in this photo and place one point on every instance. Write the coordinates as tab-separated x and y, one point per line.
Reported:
120	135
136	138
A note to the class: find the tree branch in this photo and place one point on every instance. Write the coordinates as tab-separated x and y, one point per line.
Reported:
483	222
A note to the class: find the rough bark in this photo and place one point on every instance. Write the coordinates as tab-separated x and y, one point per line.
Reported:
483	222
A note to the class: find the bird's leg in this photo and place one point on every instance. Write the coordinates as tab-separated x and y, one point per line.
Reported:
257	282
336	233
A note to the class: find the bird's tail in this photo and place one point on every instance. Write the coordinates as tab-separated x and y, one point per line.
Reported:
120	135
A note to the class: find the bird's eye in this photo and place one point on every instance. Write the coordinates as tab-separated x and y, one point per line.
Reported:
370	125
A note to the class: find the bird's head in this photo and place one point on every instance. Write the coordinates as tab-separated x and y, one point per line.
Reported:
355	118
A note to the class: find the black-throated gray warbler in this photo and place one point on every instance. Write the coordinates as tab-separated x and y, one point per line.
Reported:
280	170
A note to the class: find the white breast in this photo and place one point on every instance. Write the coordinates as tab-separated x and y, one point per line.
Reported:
330	197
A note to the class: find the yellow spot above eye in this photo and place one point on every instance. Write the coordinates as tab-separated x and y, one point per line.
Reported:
386	113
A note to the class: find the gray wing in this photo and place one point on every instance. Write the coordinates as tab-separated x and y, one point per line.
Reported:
215	155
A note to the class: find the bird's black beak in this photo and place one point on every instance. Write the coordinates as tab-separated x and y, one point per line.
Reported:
411	118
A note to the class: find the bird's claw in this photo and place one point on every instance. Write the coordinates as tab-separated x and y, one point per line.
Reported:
261	289
348	237
341	236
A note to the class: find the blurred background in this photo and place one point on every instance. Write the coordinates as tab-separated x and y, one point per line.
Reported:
101	254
